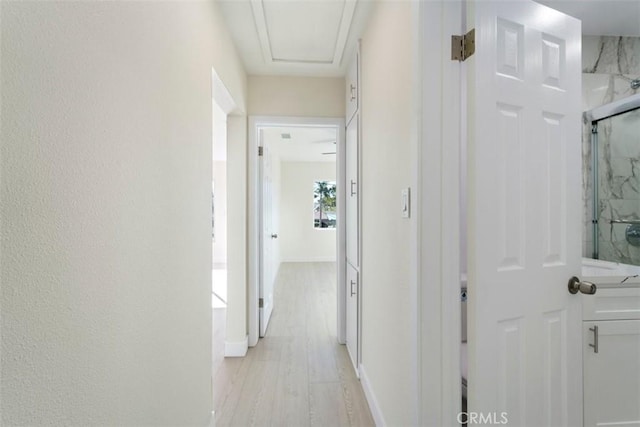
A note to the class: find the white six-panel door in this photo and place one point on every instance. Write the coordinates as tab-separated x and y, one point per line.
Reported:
524	188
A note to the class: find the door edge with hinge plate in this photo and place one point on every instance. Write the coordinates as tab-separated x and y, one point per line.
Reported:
462	47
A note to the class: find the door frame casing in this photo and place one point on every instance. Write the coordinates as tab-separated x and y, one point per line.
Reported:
440	157
220	97
254	211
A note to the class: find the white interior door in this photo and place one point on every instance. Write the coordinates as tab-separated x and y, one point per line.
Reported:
524	186
267	234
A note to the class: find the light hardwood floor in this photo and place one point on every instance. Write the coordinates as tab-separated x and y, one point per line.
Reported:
298	375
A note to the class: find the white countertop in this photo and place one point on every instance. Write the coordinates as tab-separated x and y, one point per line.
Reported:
610	274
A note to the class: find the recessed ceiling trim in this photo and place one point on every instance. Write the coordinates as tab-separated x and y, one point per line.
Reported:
262	30
300	61
260	22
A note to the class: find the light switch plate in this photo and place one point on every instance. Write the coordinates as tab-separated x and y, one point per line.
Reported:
406	203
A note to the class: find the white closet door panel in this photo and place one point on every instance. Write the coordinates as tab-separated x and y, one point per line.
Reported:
352	87
352	314
353	190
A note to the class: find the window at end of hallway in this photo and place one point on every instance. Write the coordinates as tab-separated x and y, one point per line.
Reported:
324	204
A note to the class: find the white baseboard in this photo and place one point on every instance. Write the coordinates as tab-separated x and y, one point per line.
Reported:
212	420
236	348
376	412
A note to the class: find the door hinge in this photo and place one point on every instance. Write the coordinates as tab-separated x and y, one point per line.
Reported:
260	303
259	151
464	46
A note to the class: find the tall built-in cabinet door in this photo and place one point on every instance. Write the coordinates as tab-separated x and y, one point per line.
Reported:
352	88
611	354
352	212
353	191
352	314
524	214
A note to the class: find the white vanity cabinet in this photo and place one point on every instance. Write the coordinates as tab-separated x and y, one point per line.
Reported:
611	356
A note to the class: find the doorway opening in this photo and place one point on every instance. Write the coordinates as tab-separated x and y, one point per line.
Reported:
222	105
219	209
296	213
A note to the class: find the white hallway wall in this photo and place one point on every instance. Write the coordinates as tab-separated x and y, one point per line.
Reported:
299	240
296	96
105	206
237	328
389	138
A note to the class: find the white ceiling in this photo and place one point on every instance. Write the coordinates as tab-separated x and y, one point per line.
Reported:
305	145
296	37
318	37
602	17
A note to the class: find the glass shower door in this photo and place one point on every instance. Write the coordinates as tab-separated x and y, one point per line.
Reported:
618	180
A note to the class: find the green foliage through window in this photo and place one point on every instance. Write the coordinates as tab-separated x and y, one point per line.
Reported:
324	204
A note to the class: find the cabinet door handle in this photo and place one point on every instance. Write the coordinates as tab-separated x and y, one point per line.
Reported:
353	293
595	338
353	92
353	193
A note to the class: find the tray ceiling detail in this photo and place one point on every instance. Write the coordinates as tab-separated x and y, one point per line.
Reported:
296	37
303	32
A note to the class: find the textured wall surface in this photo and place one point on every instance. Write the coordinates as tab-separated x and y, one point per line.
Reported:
388	121
105	204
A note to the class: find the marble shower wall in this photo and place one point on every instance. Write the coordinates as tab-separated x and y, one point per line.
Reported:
609	64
